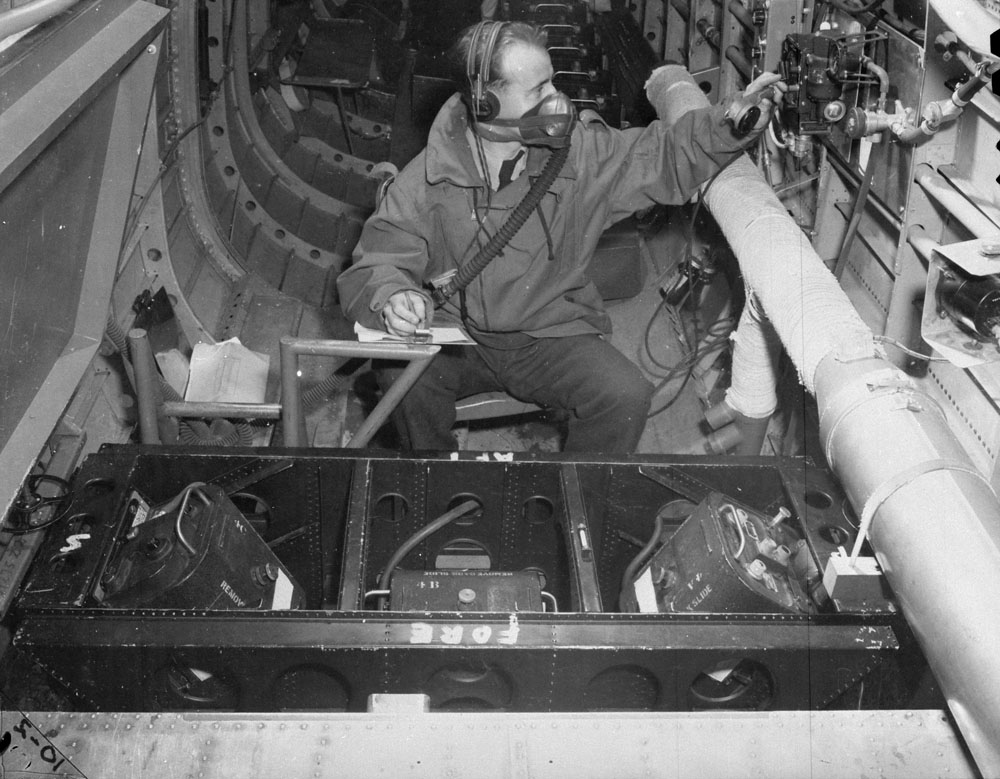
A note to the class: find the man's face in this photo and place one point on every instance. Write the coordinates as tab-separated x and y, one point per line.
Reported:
529	80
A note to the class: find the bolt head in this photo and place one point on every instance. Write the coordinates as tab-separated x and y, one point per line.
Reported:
990	248
466	595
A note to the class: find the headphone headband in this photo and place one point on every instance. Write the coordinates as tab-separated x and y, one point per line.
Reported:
480	76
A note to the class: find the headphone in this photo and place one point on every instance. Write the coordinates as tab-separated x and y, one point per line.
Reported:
484	102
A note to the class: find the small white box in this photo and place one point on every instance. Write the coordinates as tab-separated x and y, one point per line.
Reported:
854	585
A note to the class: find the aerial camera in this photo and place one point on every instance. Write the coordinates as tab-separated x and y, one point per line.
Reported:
819	69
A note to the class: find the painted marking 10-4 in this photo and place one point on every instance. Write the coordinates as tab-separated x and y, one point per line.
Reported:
32	743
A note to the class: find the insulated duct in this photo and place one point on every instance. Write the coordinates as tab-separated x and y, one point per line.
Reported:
934	520
752	395
785	273
753	390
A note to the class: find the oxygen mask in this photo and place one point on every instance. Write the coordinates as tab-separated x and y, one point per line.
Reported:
549	123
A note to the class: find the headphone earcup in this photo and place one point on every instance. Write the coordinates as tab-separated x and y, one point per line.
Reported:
488	108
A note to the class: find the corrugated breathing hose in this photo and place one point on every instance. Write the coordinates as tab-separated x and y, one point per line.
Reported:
465	274
338	380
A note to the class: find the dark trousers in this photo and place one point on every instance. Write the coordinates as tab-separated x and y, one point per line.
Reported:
605	394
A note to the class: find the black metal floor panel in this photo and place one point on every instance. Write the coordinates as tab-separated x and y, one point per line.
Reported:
335	519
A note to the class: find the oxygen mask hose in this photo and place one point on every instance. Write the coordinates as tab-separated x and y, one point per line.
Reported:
464	276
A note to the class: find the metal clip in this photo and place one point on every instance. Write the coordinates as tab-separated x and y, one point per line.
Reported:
419	337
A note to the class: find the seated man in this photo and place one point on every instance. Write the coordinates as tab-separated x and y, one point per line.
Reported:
537	320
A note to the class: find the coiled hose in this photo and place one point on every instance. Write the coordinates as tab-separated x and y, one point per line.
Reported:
193	432
338	380
508	230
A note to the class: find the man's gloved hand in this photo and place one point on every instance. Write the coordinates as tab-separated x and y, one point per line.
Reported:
751	111
766	80
405	312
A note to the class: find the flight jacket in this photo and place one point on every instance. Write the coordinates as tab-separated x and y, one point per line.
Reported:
427	221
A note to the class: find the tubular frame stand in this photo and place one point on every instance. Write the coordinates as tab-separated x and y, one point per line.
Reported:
148	394
292	412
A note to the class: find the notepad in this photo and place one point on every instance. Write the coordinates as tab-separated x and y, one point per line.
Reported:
452	335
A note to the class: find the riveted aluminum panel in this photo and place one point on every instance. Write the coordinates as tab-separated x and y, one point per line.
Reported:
775	745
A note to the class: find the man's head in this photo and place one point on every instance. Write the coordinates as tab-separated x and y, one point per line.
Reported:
503	68
506	78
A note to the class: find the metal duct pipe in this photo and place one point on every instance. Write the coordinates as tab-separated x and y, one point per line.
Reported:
935	522
147	389
753	390
740	62
21	18
984	99
742	15
709	32
683	8
935	528
921	242
954	202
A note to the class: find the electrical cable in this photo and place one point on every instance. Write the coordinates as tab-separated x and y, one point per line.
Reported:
484	164
696	340
883	339
765	160
686	254
165	166
647	333
688	371
634	564
20	531
672	310
427	530
774	137
29	501
718	340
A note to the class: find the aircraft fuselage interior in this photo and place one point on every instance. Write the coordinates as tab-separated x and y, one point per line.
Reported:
218	557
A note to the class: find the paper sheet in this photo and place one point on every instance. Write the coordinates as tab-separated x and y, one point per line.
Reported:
439	335
175	369
227	372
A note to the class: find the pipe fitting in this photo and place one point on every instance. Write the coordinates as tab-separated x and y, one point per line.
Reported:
871	396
